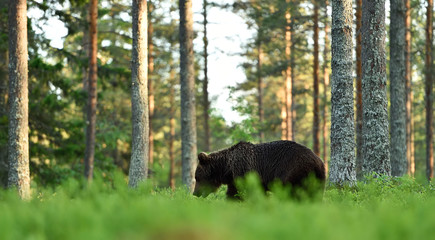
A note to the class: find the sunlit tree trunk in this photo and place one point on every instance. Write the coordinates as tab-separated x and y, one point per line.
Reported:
206	102
325	89
342	165
187	80
172	140
139	96
376	146
150	82
18	142
92	92
359	113
292	73
409	95
288	76
316	120
428	90
260	89
397	88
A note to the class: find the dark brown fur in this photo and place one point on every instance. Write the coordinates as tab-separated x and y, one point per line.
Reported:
288	161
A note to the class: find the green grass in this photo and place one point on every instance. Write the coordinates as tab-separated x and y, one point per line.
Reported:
380	209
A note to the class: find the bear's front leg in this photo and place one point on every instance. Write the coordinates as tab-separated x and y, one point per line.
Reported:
232	192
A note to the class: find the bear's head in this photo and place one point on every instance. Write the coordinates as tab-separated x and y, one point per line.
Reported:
207	175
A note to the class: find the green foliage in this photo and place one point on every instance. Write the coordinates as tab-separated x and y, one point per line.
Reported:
396	208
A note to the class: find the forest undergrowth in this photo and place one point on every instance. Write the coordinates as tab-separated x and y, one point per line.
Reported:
381	208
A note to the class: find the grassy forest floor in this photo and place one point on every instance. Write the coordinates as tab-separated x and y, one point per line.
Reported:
381	208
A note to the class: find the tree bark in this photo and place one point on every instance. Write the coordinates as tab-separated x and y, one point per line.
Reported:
325	89
359	111
375	115
288	76
18	142
428	90
92	92
316	119
171	142
342	166
260	89
409	94
187	80
150	82
397	88
139	97
206	102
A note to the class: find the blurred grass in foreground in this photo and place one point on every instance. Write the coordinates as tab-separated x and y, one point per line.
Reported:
383	208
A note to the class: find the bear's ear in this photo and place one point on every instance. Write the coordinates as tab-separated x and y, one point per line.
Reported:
203	158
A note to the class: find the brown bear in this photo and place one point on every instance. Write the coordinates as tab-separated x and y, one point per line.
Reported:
287	161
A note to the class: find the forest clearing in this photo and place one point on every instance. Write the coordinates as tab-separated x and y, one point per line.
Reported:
225	119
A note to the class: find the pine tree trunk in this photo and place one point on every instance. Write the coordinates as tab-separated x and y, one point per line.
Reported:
288	77
18	142
206	103
376	140
260	90
292	73
325	90
409	95
187	80
150	83
139	97
92	92
171	142
359	111
428	90
316	120
397	88
342	165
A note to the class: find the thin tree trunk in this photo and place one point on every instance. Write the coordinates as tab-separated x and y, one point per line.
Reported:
375	115
428	90
292	73
397	88
409	95
325	89
342	166
187	80
260	90
139	97
288	76
92	92
18	142
359	111
150	82
171	141
316	119
206	102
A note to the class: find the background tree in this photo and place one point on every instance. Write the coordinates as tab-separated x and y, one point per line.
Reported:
92	92
288	97
342	166
187	82
375	115
18	142
206	102
325	88
139	97
150	81
428	90
316	109
409	94
397	88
